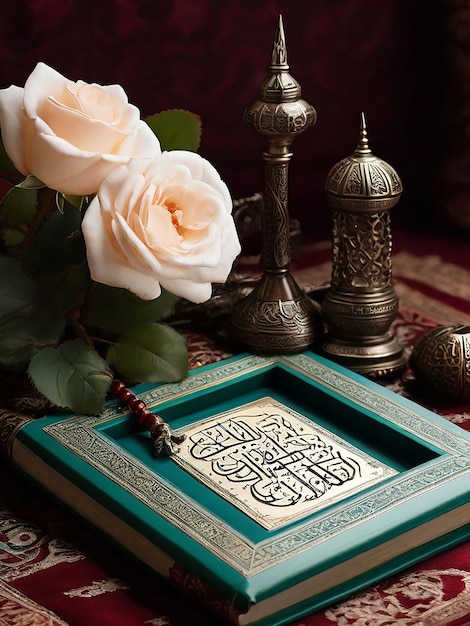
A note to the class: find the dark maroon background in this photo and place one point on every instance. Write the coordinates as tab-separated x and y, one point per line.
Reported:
210	56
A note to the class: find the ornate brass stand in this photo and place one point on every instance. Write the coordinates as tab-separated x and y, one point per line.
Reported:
361	305
277	317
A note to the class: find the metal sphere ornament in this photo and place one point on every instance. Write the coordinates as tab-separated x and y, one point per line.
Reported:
440	361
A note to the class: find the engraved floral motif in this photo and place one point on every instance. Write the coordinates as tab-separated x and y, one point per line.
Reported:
353	185
378	180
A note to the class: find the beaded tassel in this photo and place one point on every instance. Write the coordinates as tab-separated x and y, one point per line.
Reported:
163	438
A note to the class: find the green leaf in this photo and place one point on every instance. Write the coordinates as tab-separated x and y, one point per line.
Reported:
27	323
30	182
76	201
18	206
58	243
113	310
23	337
71	376
18	291
176	129
151	353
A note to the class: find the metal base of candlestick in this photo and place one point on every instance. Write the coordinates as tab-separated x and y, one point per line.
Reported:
277	317
382	359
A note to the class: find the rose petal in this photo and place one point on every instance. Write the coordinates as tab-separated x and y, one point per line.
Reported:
106	263
11	122
108	103
201	169
42	83
141	143
81	131
195	292
74	174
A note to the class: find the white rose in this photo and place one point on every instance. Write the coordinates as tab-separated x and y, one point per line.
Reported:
70	135
164	223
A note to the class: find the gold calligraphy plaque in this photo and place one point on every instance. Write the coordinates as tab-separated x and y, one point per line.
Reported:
275	464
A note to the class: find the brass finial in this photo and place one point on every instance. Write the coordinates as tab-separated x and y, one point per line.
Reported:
279	85
363	143
277	317
279	55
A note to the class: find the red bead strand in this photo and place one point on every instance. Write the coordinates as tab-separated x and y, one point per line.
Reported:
145	417
161	434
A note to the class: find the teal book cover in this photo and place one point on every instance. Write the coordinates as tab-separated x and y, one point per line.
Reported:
295	484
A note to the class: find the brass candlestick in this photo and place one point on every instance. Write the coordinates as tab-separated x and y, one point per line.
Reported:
277	316
361	305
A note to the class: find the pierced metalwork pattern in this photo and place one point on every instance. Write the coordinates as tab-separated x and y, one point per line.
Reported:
362	250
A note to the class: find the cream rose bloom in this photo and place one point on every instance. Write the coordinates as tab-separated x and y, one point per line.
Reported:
70	135
164	223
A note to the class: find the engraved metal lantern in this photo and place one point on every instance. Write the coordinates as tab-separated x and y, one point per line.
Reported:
361	304
277	316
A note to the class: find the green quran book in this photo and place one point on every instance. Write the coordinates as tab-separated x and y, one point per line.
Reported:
297	483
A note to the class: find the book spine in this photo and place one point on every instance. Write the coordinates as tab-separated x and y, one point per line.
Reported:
70	495
203	594
11	423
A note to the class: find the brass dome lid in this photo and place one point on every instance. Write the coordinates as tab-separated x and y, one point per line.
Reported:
363	181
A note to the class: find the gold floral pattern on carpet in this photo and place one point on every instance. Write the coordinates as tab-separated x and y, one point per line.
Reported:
26	549
17	609
416	599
